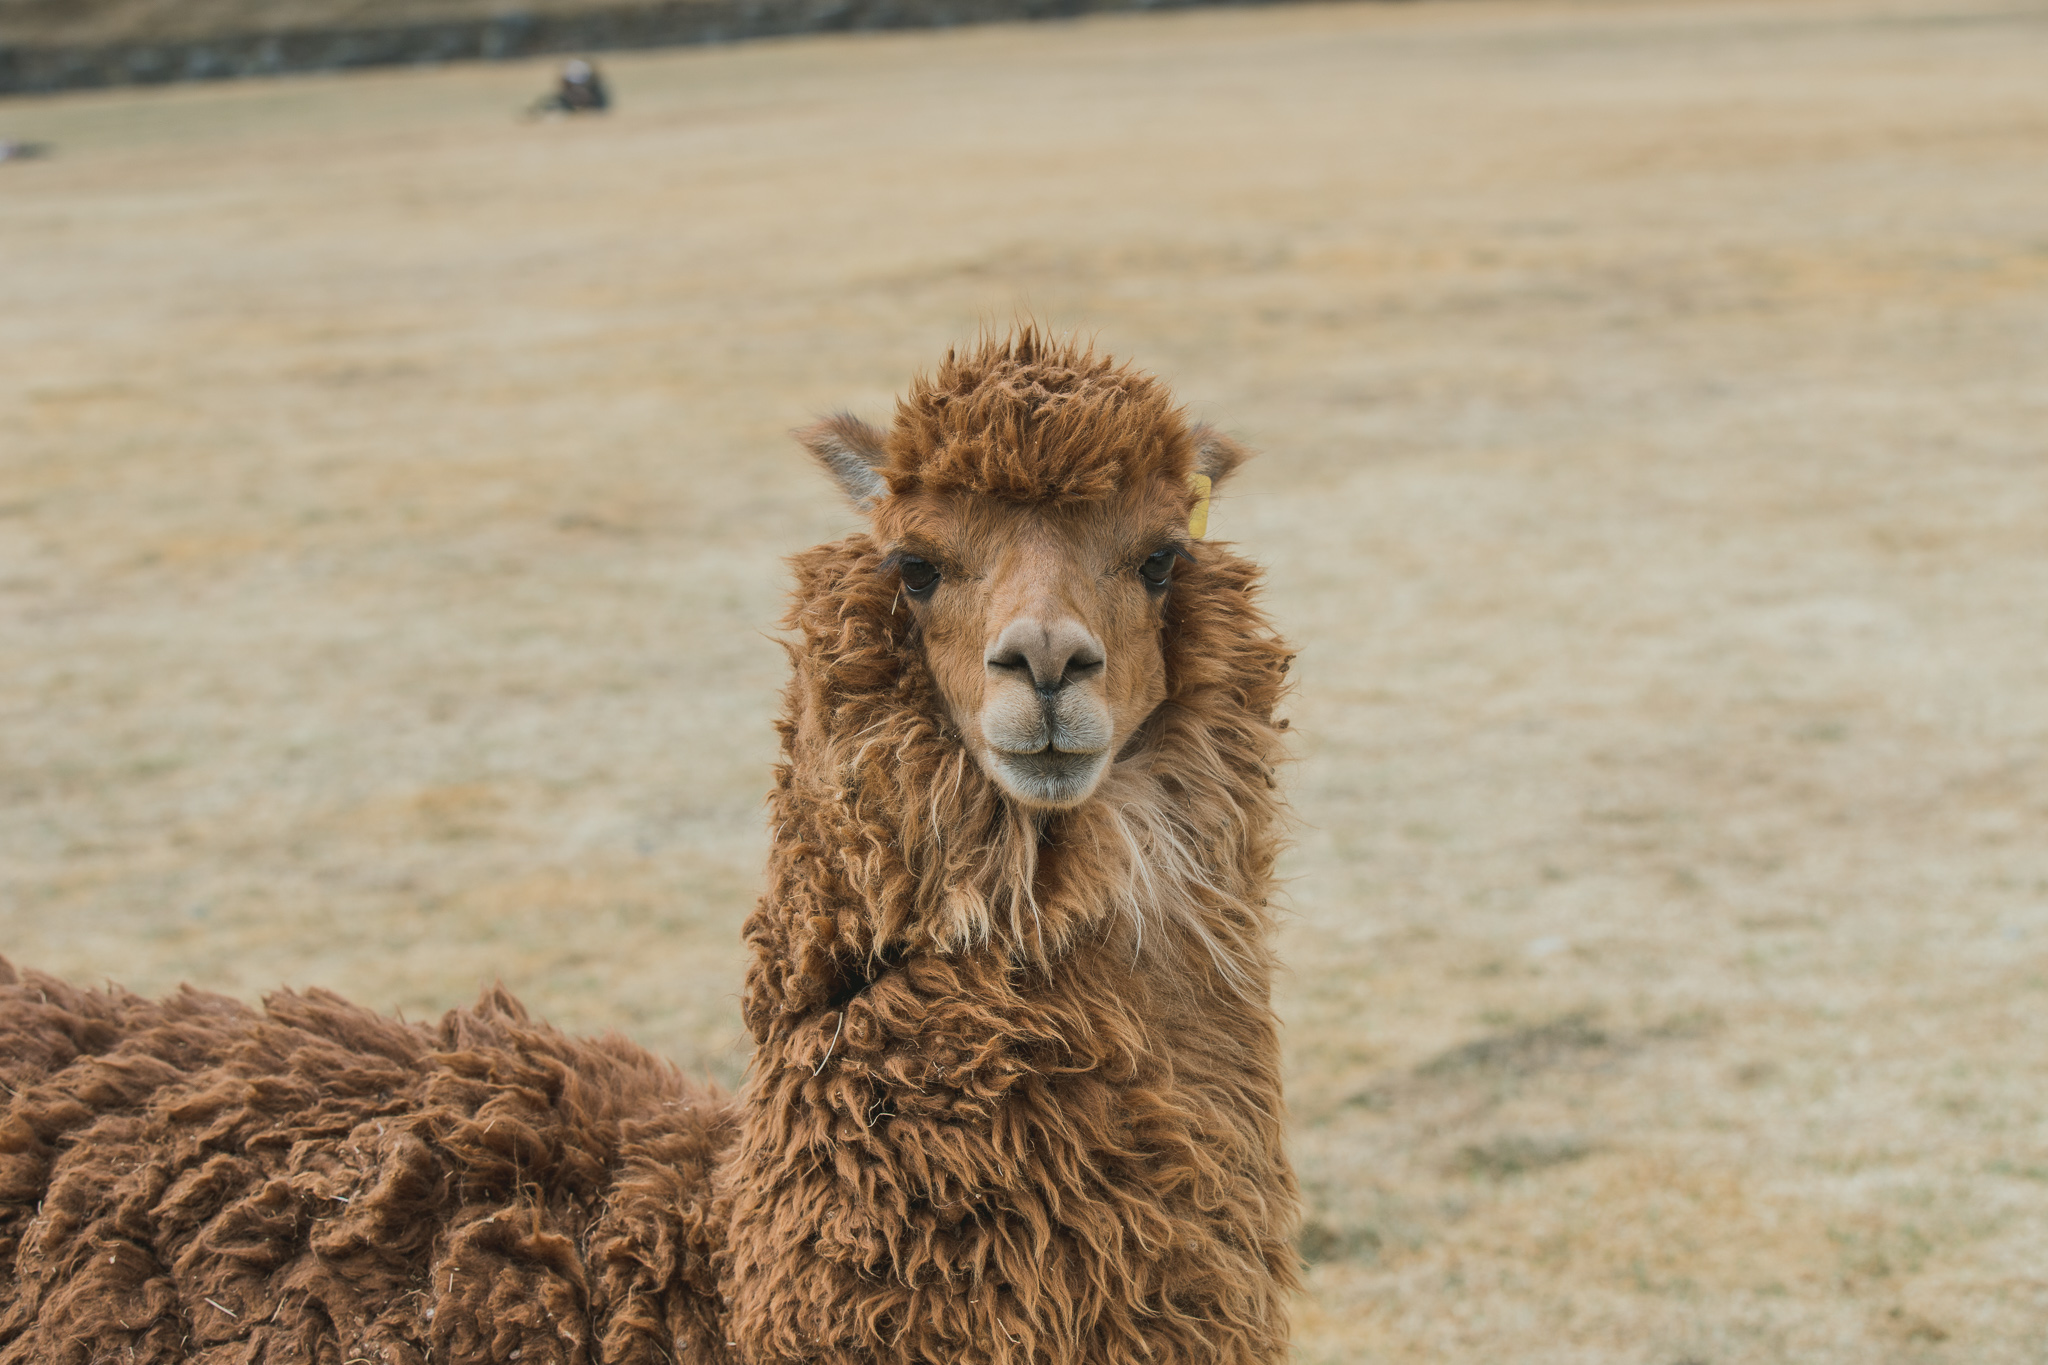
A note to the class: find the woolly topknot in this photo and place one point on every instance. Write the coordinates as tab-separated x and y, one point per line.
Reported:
1033	418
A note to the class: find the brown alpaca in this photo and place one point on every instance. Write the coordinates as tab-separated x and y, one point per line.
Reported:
1016	1092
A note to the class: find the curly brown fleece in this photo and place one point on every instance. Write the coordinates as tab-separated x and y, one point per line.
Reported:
1028	419
1016	1092
189	1179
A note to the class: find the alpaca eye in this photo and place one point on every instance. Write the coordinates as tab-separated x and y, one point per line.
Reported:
1157	568
919	575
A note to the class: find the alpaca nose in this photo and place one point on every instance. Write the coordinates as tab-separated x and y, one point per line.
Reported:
1051	656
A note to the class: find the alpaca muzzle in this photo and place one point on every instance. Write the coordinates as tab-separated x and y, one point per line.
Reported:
1044	720
1047	747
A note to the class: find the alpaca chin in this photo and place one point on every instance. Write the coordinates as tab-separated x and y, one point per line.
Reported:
1049	779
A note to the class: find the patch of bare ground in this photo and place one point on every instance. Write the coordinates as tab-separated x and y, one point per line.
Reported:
392	498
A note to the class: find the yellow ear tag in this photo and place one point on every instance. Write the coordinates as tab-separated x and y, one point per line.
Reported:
1198	520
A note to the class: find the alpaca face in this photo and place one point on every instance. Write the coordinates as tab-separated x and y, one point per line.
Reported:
1040	626
1032	502
1040	622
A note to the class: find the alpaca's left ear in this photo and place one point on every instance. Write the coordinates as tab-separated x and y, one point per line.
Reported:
852	454
1216	454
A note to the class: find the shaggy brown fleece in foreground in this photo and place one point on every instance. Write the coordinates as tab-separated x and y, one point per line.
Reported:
189	1179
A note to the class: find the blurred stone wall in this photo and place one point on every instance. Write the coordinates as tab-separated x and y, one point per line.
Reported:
33	69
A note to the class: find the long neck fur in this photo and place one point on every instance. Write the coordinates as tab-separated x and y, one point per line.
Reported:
1016	1092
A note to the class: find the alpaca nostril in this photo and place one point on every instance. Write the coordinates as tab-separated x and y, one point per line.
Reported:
1078	669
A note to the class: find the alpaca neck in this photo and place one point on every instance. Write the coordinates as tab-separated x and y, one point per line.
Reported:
1060	1140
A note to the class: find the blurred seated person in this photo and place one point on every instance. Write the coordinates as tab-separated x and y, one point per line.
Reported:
580	91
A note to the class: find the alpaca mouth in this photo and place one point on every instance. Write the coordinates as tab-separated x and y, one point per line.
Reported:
1050	777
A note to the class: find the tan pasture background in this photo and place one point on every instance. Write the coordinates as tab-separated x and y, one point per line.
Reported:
1652	402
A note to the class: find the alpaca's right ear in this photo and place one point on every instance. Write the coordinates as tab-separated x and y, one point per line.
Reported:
1216	455
852	454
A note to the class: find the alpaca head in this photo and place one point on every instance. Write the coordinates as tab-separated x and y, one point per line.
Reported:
1033	500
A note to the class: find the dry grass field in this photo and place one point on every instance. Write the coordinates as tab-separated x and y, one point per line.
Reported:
1653	400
